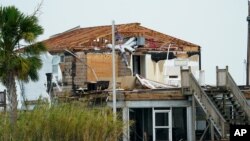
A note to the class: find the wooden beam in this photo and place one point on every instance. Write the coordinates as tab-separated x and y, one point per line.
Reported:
155	96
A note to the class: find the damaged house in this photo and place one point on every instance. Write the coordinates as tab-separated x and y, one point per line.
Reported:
159	84
85	54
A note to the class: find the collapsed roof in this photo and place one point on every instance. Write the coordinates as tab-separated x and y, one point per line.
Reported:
90	38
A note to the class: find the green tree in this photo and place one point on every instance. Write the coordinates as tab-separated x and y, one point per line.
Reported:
18	62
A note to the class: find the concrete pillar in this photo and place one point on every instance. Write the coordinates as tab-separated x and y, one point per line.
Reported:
191	115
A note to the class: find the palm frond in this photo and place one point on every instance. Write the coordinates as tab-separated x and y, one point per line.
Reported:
35	49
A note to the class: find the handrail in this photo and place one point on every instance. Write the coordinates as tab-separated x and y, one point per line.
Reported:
211	109
238	94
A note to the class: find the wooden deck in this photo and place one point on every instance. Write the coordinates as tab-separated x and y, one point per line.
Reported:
150	94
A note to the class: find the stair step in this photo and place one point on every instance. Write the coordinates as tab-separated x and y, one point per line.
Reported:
237	107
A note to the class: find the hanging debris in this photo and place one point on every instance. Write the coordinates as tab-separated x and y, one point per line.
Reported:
152	84
157	56
129	45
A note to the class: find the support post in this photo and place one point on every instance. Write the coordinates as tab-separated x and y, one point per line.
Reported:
212	131
199	58
125	118
248	47
191	121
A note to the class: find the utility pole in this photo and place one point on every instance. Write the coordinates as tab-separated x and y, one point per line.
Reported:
248	47
113	69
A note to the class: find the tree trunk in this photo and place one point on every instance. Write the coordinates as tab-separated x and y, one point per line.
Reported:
12	97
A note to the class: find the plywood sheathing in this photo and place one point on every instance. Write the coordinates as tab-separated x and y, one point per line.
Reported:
102	65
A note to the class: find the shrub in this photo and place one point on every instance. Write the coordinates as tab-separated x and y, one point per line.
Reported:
63	122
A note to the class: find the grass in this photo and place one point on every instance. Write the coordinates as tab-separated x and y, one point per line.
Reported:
63	122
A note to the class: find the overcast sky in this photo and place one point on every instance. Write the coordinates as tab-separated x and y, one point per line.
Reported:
218	26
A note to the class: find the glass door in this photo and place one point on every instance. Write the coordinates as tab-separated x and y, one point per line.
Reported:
162	125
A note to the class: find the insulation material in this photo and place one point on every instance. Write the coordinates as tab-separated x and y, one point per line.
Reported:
101	65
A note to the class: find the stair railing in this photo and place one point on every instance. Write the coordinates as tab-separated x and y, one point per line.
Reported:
225	79
189	83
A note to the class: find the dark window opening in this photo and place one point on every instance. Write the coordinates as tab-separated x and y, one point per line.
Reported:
136	64
179	123
142	129
173	76
139	65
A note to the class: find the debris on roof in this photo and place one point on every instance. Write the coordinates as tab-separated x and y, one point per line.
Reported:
99	36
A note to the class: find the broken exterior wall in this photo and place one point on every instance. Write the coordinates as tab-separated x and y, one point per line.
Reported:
67	71
81	69
154	70
100	63
124	70
168	71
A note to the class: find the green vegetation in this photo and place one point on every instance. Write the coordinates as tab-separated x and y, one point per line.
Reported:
64	122
16	31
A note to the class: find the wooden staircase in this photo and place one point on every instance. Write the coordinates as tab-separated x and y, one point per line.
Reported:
227	105
223	104
240	111
190	86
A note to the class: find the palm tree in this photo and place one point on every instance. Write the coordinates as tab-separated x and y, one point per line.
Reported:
18	62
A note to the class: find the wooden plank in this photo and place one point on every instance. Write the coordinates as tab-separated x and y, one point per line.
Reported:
246	94
155	96
102	65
